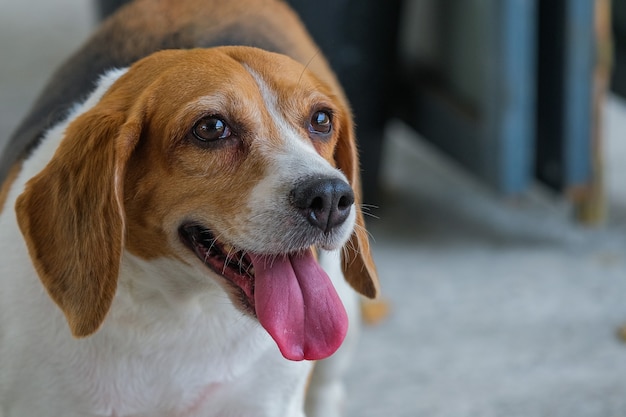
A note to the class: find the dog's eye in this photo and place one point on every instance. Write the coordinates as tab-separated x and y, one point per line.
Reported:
211	129
321	122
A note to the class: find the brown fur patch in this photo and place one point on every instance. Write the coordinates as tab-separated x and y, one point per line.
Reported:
76	241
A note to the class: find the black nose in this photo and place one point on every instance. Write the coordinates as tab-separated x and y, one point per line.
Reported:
324	202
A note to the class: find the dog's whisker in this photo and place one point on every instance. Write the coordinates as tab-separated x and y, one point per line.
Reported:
369	206
317	52
364	229
373	216
349	247
365	210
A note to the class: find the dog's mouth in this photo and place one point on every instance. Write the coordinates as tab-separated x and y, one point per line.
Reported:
290	294
223	259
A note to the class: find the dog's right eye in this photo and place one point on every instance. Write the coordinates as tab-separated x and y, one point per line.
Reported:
211	129
321	122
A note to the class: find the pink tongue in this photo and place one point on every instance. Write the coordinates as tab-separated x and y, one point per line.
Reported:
298	306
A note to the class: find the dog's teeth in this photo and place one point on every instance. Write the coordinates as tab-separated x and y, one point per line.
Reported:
228	248
251	270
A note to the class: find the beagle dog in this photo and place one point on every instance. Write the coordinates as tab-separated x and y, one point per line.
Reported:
181	232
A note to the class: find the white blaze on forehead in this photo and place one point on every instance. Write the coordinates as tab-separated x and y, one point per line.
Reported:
293	160
297	153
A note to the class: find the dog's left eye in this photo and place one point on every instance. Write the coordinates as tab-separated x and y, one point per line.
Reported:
211	129
321	122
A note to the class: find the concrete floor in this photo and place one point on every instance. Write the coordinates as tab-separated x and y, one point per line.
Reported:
499	308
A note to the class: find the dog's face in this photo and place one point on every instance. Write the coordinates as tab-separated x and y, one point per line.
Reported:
233	161
227	149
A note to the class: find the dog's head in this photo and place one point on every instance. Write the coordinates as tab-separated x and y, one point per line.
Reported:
232	160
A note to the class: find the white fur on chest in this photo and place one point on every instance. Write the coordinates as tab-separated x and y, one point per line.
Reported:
160	352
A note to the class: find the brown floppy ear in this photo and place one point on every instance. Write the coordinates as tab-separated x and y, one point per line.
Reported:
72	217
358	264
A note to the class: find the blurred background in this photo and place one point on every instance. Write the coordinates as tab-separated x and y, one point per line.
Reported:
493	139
